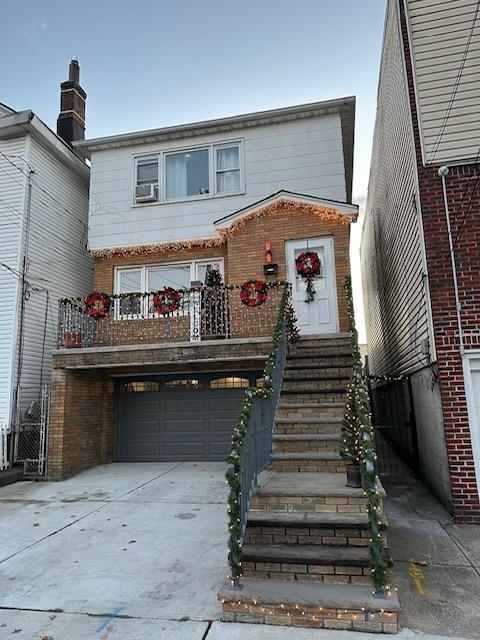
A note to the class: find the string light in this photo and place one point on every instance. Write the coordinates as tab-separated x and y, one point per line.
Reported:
357	446
326	214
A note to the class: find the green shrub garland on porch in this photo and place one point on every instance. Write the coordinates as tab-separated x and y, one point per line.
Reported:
286	313
357	447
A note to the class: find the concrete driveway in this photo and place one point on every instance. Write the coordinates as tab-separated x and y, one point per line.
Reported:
143	541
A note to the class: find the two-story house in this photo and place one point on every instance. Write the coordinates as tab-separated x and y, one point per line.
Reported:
420	245
43	239
205	238
161	362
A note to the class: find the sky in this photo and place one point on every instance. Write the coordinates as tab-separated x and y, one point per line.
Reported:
152	63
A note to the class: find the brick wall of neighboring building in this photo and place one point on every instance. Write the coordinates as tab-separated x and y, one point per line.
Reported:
463	194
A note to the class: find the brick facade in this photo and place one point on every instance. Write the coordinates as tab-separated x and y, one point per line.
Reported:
244	252
82	411
80	432
463	197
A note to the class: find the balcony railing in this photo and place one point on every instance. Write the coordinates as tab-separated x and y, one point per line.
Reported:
203	313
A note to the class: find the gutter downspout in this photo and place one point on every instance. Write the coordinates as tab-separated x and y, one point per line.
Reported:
443	172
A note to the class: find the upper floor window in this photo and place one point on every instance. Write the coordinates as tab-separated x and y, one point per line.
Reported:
227	169
187	174
191	173
146	184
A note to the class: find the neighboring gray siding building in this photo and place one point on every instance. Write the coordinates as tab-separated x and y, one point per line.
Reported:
43	247
422	310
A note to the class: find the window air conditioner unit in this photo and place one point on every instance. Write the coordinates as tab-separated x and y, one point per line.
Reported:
146	193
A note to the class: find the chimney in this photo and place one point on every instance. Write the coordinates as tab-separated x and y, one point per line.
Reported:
71	121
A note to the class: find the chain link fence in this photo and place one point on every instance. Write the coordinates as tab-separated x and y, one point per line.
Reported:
29	436
4	440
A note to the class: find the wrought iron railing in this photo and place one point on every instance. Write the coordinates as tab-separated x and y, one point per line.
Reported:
252	437
202	313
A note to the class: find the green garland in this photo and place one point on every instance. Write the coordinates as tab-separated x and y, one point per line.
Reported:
234	464
358	447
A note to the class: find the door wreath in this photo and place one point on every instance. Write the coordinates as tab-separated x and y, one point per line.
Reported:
167	301
97	304
308	267
253	293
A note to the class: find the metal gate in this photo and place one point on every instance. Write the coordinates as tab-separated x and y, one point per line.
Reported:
29	436
393	418
4	440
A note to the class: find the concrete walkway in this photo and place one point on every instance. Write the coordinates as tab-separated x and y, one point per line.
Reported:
138	551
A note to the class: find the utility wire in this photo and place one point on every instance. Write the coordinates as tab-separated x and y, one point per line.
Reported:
38	186
455	87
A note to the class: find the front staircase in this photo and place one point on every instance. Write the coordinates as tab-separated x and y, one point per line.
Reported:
305	556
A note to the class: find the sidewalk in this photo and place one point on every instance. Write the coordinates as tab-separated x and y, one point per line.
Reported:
437	563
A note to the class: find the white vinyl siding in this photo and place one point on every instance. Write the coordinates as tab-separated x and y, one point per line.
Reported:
439	34
12	202
303	156
392	263
59	265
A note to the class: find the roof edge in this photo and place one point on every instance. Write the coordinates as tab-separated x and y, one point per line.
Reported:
220	124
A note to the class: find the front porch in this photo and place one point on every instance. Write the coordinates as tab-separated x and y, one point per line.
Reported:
177	316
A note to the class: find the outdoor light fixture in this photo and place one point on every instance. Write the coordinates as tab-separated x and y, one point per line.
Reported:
269	268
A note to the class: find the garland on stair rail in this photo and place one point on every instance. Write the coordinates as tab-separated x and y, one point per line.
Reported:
286	318
358	447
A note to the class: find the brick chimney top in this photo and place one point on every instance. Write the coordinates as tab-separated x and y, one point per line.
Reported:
74	71
71	120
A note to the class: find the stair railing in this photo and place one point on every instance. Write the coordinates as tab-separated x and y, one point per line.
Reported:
252	436
358	446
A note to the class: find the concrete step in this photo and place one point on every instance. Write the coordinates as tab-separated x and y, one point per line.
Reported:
297	527
314	385
310	604
307	462
301	425
317	373
330	394
315	563
302	361
10	476
304	443
313	492
319	351
288	407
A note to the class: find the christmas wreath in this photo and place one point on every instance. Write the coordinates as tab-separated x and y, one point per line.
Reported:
167	301
308	267
97	304
253	293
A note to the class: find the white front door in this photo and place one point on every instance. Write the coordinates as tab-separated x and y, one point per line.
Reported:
320	315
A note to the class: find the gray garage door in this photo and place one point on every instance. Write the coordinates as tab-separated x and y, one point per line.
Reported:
172	418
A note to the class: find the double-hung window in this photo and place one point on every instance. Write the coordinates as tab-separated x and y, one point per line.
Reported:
137	282
227	168
146	183
211	170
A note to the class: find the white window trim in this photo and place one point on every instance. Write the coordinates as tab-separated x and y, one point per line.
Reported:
212	170
145	314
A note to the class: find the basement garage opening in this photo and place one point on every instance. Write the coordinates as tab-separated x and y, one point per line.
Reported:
178	417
